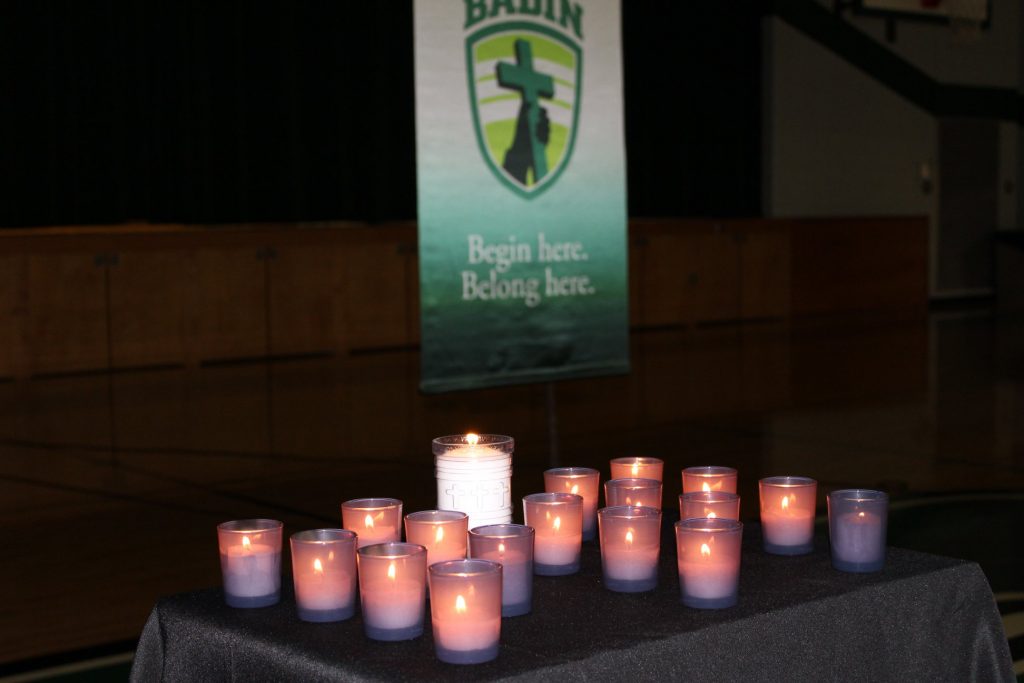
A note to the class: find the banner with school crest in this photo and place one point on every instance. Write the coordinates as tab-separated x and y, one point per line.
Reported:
522	191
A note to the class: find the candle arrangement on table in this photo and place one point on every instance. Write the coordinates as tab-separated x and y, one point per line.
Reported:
465	609
857	525
708	555
719	504
633	491
630	545
511	546
374	520
474	475
324	573
637	468
582	481
557	519
250	561
787	514
709	478
392	589
442	532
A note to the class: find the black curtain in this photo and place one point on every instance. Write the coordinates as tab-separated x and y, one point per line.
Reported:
205	111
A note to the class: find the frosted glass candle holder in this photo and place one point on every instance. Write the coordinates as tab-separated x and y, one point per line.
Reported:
709	504
630	544
474	475
392	589
465	610
374	520
557	519
787	514
637	468
857	521
635	492
250	561
511	546
709	478
442	532
708	555
583	481
324	573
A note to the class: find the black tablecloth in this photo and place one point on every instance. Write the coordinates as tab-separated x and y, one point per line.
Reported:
922	618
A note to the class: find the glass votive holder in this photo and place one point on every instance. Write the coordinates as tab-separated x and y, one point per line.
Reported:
709	478
473	473
857	524
637	468
250	561
630	544
465	609
708	552
787	514
324	573
631	491
719	504
583	481
557	520
511	546
392	589
375	520
442	532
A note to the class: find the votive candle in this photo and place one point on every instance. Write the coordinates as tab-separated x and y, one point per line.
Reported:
640	467
632	491
250	561
857	526
392	589
557	519
324	573
375	520
719	504
465	610
709	478
630	544
510	545
442	532
583	481
787	514
708	556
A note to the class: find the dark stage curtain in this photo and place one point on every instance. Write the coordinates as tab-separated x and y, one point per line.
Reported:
205	111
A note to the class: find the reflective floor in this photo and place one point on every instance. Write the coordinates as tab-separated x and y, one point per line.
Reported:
111	485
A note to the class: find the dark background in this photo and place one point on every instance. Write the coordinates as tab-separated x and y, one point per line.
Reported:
201	111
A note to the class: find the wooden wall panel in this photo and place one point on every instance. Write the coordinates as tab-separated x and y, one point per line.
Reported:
305	280
764	277
712	267
147	308
13	311
376	295
67	313
665	280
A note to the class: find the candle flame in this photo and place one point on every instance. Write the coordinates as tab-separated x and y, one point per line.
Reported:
246	543
629	500
330	556
391	571
711	515
705	550
439	534
861	515
557	524
785	502
472	439
705	488
460	604
317	567
368	522
636	468
629	537
501	547
575	488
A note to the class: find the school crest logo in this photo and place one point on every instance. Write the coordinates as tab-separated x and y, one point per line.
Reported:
524	89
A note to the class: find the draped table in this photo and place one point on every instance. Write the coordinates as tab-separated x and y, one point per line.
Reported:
923	617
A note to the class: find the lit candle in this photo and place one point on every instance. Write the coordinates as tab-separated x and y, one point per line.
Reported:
582	481
441	532
708	555
374	520
857	521
465	608
511	546
787	514
324	573
250	560
709	478
474	475
392	589
630	544
637	468
709	504
632	491
557	519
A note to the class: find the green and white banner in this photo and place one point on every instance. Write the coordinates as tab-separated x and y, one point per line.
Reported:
522	191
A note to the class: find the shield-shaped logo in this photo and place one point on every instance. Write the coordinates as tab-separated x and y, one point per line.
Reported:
524	89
